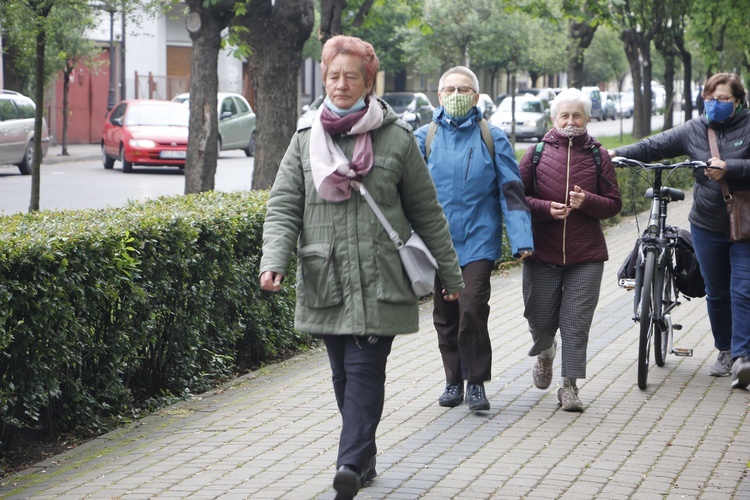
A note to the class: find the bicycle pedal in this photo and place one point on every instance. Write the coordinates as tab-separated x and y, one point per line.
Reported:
677	327
682	351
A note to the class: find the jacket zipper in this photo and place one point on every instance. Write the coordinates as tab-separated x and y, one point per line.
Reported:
567	203
468	163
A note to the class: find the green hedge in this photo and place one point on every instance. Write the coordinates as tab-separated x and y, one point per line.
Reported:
103	311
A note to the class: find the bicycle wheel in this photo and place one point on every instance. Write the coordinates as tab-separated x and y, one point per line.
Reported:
662	296
646	319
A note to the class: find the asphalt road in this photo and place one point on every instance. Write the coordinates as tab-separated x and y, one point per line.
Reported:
86	184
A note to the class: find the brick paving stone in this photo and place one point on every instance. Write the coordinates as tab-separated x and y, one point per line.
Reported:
273	433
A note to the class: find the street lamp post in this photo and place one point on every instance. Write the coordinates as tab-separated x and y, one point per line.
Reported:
111	94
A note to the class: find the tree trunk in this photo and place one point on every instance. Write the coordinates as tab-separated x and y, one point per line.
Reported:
581	35
277	34
66	90
202	151
669	71
41	43
687	64
645	47
330	18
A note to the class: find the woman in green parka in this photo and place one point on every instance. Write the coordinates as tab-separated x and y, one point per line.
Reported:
351	288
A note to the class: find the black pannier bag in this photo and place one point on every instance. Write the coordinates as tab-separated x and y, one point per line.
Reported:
687	273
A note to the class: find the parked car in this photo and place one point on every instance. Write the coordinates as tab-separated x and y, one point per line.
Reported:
308	112
624	104
412	107
544	93
145	132
17	131
236	122
532	117
596	102
609	110
486	106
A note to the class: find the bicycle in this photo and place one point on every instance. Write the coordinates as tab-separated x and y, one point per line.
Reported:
656	294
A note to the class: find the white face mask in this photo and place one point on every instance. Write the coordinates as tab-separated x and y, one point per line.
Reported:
357	106
571	131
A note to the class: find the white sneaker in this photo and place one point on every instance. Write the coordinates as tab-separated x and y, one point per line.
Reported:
741	373
723	365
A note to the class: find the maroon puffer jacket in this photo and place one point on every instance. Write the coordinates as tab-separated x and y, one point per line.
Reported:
566	163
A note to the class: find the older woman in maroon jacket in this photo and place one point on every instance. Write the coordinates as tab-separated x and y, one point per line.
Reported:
571	186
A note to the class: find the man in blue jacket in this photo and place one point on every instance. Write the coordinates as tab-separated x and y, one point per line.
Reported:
478	188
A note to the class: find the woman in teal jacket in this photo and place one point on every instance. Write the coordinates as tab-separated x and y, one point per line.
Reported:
351	288
477	192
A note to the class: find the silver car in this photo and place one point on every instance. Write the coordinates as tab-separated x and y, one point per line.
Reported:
17	131
236	122
532	117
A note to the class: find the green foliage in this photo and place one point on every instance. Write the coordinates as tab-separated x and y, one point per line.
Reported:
103	312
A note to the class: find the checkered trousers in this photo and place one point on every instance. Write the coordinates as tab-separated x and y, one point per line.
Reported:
564	298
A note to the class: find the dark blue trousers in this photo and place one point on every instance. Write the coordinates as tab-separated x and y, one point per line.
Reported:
358	373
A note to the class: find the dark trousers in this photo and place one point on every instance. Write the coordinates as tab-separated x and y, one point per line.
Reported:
461	326
358	373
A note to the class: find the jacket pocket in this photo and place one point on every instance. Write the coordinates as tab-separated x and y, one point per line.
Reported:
318	277
392	284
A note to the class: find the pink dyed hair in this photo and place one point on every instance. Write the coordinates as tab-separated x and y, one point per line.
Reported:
342	44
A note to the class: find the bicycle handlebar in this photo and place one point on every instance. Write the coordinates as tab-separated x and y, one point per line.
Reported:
621	161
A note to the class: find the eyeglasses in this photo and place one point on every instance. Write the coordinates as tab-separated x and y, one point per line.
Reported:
720	99
461	90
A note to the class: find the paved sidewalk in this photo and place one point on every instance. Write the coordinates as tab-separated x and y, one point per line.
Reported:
273	433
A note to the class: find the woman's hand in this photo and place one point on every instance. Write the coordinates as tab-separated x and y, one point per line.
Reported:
576	197
271	281
714	173
558	210
450	297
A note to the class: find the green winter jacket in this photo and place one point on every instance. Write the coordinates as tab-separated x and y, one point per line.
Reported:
349	275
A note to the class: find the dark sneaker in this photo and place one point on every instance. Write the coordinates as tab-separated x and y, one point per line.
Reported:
452	396
476	398
567	397
543	369
723	365
346	483
741	373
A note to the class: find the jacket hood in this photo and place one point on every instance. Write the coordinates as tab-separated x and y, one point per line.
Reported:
389	116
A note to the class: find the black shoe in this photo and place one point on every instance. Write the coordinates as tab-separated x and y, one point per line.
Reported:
369	473
476	398
453	395
346	483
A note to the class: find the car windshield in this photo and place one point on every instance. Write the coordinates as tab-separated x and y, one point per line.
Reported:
398	100
526	106
145	115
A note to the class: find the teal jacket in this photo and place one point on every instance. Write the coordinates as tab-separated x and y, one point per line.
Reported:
476	192
349	274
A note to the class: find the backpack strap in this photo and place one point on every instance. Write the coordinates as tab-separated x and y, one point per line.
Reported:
431	131
487	138
534	162
484	128
594	152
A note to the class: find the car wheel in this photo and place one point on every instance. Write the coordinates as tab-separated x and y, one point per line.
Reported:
107	160
250	149
28	159
127	167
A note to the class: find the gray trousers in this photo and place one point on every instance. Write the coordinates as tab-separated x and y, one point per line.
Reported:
564	298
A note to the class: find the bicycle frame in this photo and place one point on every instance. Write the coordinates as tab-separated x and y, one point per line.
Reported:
656	295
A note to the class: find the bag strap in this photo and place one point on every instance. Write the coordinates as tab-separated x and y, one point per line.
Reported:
484	128
723	182
392	234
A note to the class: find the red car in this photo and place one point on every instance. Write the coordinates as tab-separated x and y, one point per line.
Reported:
145	132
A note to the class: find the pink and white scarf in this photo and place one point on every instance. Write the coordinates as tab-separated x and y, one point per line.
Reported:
332	172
